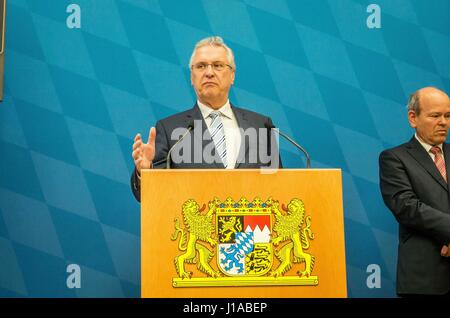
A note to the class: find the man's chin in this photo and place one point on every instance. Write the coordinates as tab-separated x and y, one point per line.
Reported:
439	140
210	94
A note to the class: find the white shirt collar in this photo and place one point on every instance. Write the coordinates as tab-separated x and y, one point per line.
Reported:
427	146
225	110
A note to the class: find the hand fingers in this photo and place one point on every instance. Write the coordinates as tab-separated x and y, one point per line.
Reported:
444	250
136	154
138	137
151	136
137	144
142	164
138	164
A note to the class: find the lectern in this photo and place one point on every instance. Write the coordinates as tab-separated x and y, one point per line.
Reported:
242	233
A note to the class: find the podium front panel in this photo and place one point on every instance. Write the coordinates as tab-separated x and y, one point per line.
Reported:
242	234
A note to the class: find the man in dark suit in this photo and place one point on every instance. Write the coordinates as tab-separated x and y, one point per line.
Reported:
414	185
214	133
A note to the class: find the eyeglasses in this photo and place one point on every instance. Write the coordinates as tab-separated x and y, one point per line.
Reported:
216	66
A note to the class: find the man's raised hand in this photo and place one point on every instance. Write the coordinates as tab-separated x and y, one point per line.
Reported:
144	153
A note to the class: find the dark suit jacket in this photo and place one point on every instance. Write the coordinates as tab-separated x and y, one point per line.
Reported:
164	142
418	196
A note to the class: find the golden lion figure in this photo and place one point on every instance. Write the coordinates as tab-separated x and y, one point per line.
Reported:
230	227
289	227
198	228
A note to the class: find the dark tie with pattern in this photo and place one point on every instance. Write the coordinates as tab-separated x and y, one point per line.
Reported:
439	161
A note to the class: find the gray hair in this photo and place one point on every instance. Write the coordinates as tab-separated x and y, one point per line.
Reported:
214	41
414	102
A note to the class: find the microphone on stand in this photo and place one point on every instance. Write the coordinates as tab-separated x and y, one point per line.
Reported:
167	160
273	128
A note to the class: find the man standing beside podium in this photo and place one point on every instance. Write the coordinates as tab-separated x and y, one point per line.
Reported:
213	122
414	185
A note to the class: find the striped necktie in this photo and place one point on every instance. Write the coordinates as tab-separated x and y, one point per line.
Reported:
218	136
439	161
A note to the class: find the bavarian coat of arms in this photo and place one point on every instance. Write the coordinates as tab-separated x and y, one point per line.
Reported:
243	243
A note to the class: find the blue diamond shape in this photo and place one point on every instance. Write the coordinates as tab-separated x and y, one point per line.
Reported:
11	129
355	145
247	62
365	249
297	87
305	124
439	45
268	28
187	12
86	103
38	267
114	203
141	26
327	55
46	132
315	14
160	78
349	14
114	65
378	214
63	47
64	186
225	24
128	123
56	10
11	278
21	33
433	14
23	180
274	7
125	253
347	107
92	143
29	222
99	284
399	35
376	73
82	240
23	73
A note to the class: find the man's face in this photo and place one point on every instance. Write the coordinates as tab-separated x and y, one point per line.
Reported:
433	122
211	86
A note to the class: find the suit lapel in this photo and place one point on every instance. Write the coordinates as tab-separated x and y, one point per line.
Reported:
419	153
243	124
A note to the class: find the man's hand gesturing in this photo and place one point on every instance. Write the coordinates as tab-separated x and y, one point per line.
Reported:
144	153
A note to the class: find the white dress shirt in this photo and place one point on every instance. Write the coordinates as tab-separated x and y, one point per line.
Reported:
428	147
231	129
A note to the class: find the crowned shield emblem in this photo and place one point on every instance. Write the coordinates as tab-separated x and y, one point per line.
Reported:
243	230
235	243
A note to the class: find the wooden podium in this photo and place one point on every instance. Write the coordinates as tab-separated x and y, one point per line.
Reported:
249	233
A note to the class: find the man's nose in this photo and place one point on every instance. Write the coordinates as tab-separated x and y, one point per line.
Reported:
209	70
443	121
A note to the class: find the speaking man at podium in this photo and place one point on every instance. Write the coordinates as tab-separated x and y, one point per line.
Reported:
414	185
213	133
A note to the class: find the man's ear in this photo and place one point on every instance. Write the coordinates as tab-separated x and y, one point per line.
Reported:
412	116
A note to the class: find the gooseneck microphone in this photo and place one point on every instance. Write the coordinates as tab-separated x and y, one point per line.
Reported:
167	160
273	128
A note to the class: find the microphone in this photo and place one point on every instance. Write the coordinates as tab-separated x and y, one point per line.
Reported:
273	128
167	159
